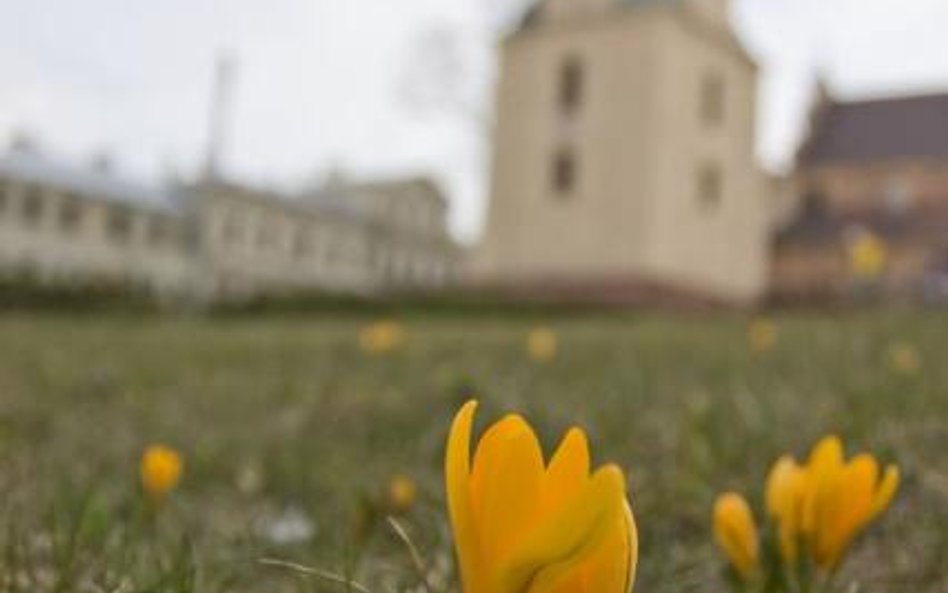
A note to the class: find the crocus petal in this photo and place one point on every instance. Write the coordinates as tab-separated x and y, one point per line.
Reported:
782	486
567	473
582	524
457	477
845	510
506	482
826	461
786	489
885	492
608	566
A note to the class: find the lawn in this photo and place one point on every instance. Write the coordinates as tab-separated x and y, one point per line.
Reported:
290	434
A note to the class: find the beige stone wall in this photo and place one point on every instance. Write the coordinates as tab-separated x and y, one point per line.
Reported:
570	10
718	249
714	11
640	145
597	230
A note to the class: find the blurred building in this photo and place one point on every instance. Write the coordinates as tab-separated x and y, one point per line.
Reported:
65	223
624	163
876	169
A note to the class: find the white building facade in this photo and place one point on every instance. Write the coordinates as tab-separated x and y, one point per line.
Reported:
218	241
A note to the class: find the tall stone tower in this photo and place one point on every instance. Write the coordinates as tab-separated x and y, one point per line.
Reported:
624	154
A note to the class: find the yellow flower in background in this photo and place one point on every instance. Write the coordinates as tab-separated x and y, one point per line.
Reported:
381	337
828	502
868	256
736	533
401	494
542	344
161	468
523	526
762	335
903	359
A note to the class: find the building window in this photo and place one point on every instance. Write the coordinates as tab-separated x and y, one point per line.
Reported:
303	244
571	85
233	228
710	188
564	172
712	99
898	195
119	225
70	213
32	207
267	234
159	231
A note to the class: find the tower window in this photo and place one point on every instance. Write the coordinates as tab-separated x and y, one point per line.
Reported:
710	188
564	172
571	85
712	99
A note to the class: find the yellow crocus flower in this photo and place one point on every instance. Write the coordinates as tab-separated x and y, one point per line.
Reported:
829	502
402	493
904	359
381	337
160	469
762	335
542	344
736	533
868	256
522	526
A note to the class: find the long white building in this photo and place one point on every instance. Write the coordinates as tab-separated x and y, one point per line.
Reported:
60	222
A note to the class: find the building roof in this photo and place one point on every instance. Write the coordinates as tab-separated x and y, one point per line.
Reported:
532	15
908	127
33	167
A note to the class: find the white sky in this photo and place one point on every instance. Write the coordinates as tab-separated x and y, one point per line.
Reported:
321	82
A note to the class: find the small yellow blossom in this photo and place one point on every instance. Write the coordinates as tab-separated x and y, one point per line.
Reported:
524	526
868	256
161	468
828	502
736	533
904	359
542	344
381	337
402	493
762	335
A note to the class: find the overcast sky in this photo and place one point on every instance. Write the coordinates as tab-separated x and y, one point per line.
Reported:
321	83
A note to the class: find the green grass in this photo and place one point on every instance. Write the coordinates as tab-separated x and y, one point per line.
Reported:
286	413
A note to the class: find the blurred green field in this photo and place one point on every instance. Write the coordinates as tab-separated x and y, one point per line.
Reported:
286	425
